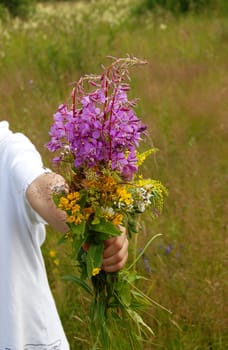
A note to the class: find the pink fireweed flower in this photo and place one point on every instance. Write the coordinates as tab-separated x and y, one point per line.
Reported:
101	127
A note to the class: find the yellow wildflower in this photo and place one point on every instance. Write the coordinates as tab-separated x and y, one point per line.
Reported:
96	271
71	219
90	183
124	195
75	209
118	219
52	253
108	183
79	219
73	196
145	182
70	205
142	156
56	262
63	203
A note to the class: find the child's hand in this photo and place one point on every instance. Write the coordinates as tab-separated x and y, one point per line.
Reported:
115	252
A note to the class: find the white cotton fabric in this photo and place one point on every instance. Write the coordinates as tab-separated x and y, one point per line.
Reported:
28	314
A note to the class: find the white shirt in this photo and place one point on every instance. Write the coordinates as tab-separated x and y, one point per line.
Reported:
28	314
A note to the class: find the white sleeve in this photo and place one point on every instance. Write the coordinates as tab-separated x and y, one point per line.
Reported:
25	166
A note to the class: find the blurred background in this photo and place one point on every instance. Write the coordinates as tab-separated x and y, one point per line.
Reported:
183	98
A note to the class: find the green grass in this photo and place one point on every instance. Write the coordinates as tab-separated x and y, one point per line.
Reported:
183	99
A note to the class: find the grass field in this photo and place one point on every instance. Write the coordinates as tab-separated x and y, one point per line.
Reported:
183	97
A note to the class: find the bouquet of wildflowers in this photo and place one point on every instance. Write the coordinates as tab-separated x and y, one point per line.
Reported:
96	138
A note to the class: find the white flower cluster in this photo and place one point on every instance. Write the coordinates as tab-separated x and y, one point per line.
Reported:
144	198
107	211
123	205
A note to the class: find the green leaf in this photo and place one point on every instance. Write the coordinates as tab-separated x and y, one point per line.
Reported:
106	227
78	281
139	321
125	294
56	199
92	313
89	266
101	314
98	237
94	257
96	220
62	240
130	276
140	298
78	229
77	243
83	198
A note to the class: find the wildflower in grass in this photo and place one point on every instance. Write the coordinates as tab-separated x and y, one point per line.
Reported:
168	249
146	262
56	262
163	26
52	253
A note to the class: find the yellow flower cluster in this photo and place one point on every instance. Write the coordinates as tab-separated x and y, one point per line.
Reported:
152	184
108	183
70	205
118	219
102	189
55	260
123	195
103	183
141	157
